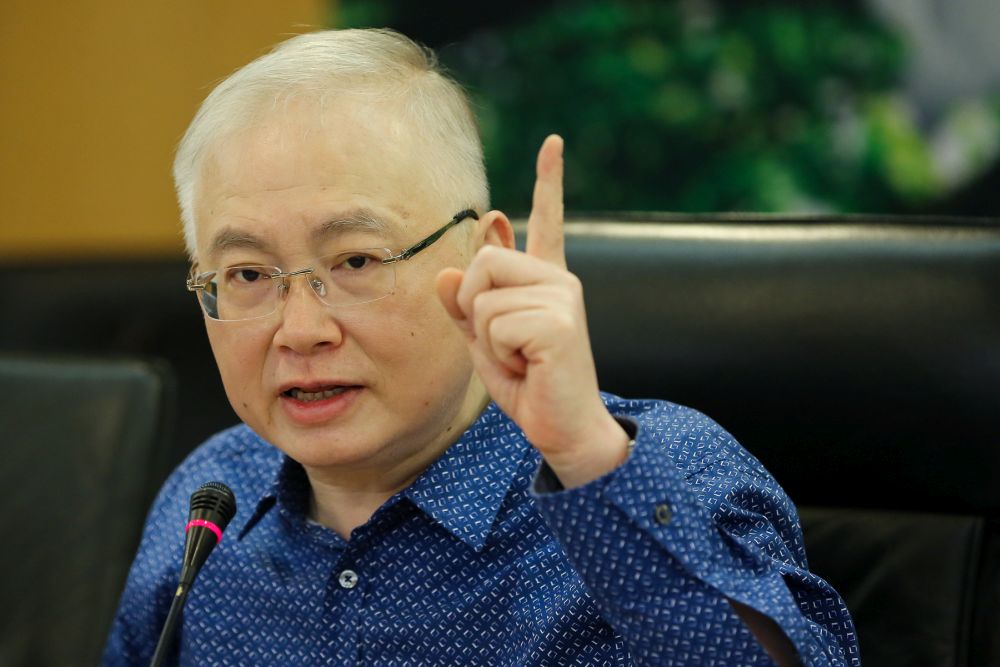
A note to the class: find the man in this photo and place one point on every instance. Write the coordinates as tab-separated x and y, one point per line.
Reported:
427	472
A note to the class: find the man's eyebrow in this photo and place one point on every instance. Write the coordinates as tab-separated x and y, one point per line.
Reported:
228	237
358	220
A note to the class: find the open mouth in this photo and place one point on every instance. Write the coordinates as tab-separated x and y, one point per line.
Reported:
320	394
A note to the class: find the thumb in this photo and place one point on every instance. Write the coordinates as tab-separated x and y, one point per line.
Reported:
447	283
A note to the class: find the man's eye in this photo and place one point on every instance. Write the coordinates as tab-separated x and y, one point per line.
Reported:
354	262
245	275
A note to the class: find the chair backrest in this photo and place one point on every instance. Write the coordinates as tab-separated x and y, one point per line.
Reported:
859	359
82	442
137	308
922	587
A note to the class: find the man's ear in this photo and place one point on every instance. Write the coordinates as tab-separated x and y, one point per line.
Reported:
494	228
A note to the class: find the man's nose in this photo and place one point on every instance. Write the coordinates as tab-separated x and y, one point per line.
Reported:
307	324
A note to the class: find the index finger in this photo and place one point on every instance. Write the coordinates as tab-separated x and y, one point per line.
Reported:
545	225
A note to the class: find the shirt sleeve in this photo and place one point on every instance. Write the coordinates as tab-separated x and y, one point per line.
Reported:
688	520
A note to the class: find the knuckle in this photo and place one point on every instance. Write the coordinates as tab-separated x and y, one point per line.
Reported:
480	301
565	322
496	329
574	283
464	304
487	253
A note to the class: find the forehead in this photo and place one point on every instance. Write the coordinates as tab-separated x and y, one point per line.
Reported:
304	166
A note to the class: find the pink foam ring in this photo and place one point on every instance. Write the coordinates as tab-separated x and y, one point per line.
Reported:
205	524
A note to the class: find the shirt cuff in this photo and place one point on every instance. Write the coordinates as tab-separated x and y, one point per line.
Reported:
546	481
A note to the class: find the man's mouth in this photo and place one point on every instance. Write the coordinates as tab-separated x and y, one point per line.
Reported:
317	394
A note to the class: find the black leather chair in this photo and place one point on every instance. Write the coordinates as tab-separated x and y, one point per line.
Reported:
83	442
857	357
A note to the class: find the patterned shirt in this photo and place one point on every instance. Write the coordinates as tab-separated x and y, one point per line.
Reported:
480	562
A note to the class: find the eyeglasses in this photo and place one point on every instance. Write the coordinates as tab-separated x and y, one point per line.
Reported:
345	278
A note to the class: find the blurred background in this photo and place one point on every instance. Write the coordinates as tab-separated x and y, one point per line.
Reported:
677	105
702	105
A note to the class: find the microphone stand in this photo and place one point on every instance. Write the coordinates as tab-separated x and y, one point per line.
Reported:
167	635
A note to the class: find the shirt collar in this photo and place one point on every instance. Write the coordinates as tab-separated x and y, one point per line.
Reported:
289	489
462	490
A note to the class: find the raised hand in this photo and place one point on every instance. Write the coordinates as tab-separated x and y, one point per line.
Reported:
524	318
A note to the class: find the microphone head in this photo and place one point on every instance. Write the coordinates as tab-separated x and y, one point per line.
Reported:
215	502
213	506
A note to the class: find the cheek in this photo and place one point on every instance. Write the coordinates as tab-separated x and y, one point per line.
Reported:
239	353
418	334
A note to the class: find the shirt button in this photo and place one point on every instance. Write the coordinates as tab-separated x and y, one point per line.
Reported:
348	579
663	514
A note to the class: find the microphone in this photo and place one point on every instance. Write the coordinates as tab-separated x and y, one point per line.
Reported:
213	506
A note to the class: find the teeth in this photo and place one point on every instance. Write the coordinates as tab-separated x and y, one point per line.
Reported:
307	396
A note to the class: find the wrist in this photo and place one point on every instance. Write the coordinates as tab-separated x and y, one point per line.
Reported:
604	449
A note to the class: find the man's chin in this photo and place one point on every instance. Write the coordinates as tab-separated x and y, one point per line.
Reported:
326	448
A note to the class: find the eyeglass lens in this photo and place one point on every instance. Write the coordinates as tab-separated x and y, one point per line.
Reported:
346	278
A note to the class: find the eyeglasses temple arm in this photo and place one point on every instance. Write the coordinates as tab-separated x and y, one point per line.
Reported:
420	245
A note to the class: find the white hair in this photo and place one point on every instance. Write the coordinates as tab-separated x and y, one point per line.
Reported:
374	65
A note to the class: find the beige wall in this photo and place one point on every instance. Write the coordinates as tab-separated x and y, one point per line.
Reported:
94	95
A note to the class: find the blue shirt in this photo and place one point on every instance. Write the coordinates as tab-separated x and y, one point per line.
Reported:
478	562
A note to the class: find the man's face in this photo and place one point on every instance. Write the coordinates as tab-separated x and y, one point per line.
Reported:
410	378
